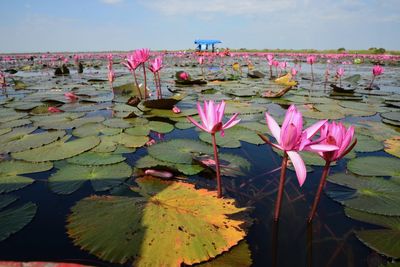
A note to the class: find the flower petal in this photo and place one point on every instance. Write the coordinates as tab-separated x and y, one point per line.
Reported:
231	122
299	166
313	129
273	127
197	124
321	148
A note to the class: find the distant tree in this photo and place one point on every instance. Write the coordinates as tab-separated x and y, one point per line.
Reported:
342	49
380	51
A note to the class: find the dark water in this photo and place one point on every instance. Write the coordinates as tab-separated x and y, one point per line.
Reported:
330	242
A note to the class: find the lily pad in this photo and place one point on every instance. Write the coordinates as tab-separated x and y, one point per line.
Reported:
92	158
370	194
150	162
16	133
58	150
233	136
15	123
178	150
30	141
367	144
67	123
375	166
156	126
238	256
10	174
392	116
392	146
160	228
384	241
14	219
6	200
71	177
95	129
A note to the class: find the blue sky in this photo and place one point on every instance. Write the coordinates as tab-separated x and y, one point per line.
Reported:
102	25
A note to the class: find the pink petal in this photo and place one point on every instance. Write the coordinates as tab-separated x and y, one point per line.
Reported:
313	129
221	110
197	124
321	148
231	122
299	166
203	117
273	127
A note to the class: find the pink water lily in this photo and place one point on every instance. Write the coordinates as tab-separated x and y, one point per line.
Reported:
155	68
292	138
211	121
332	134
184	76
156	65
71	96
53	110
311	60
377	70
211	117
142	55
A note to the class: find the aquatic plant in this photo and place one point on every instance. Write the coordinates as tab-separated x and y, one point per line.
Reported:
376	71
155	68
332	134
211	121
311	60
292	139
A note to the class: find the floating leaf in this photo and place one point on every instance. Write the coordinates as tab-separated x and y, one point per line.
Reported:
232	137
14	219
150	162
6	200
392	116
95	129
92	158
160	228
58	150
238	256
156	126
10	171
375	166
367	144
66	123
16	133
30	141
392	146
71	177
384	241
117	123
15	123
178	150
370	194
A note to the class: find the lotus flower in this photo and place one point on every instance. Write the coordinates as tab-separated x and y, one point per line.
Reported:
131	63
184	76
292	138
311	60
332	134
71	96
156	65
53	110
377	70
340	73
211	122
142	55
211	117
176	110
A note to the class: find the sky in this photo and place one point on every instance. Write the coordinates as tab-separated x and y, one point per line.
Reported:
121	25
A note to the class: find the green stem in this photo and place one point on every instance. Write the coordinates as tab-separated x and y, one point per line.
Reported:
318	195
281	186
137	85
219	182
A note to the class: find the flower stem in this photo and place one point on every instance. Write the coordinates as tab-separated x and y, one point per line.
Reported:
281	186
270	72
318	195
145	80
137	85
219	182
312	73
372	82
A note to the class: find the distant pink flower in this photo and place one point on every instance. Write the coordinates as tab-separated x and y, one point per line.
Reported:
53	110
340	72
184	76
336	134
270	57
294	72
111	76
200	60
275	63
71	96
156	65
377	70
176	110
211	117
311	59
292	138
142	55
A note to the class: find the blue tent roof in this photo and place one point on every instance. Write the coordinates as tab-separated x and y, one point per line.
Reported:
207	42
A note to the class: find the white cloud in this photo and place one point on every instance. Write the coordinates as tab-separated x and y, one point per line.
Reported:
228	7
111	2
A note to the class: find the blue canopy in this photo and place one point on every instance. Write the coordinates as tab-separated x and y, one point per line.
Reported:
207	42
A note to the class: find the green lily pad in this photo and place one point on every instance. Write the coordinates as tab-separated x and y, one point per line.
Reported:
16	133
160	228
10	178
58	150
392	146
370	194
150	162
165	113
14	219
377	130
6	200
71	177
367	144
156	126
92	158
15	123
5	130
238	256
384	241
117	123
178	150
232	137
375	166
392	116
95	129
30	141
66	123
